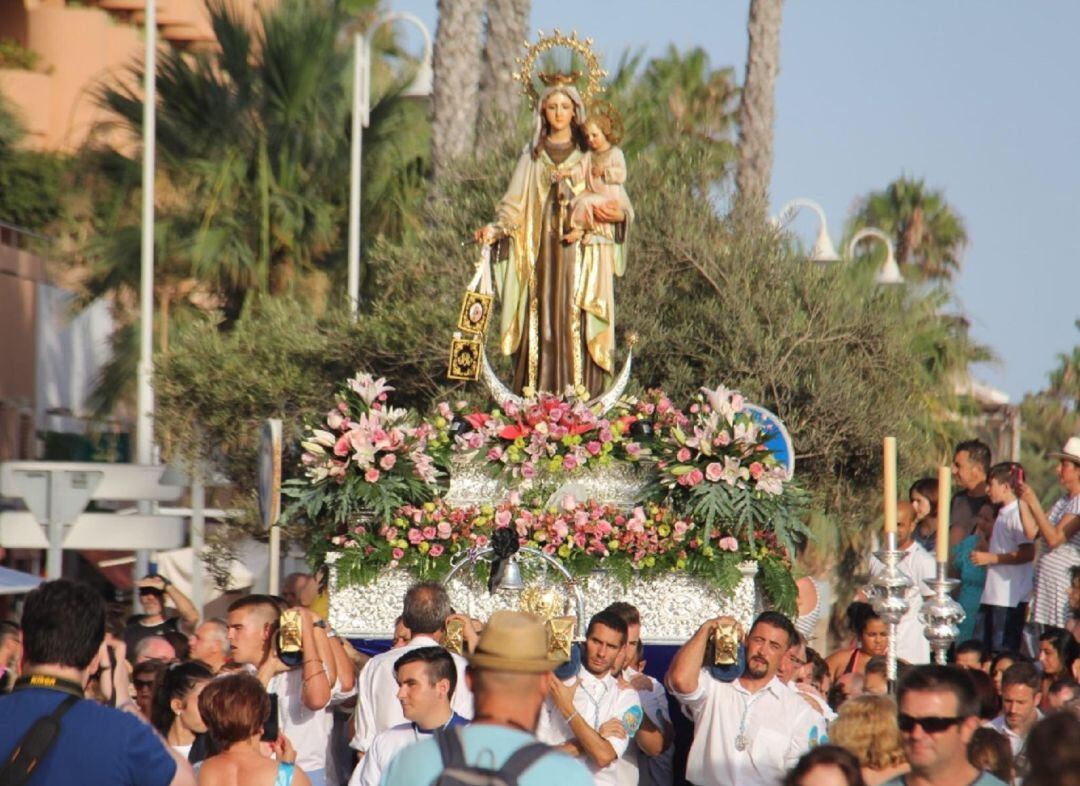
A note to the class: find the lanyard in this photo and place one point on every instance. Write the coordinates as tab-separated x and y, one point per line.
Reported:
49	682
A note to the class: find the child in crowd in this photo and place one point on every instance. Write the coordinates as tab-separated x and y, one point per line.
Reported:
1008	561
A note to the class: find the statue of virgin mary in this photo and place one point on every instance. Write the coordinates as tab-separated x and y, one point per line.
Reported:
558	309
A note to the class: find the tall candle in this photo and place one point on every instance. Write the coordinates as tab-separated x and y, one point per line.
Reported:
944	505
890	485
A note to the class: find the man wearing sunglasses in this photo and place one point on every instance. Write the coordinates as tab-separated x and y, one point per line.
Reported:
939	711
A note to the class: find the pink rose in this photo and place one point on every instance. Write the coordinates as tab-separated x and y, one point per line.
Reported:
579	540
723	439
603	528
714	471
429	533
415	535
372	475
391	533
695	476
444	530
495	454
680	527
594	448
481	541
695	408
569	463
757	469
728	543
633	449
683	454
445	411
436	550
397	553
561	529
503	518
388	461
528	471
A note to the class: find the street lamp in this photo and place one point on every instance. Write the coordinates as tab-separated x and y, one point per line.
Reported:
823	250
890	271
420	86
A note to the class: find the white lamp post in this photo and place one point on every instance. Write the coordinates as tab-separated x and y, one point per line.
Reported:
890	271
823	250
421	86
144	397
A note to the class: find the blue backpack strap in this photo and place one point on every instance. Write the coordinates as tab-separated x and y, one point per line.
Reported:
450	748
520	760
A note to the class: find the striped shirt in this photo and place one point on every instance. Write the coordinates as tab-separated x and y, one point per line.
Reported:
1051	603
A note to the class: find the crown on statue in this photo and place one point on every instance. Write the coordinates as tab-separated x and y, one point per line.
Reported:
583	47
551	80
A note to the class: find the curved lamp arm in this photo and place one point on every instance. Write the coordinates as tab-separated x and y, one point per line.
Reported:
579	597
823	250
890	271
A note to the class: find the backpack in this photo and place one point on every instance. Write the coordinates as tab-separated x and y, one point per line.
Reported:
458	772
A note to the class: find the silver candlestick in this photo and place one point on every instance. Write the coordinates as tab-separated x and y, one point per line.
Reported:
890	598
941	614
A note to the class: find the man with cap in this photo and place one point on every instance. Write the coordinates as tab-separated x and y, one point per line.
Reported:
510	674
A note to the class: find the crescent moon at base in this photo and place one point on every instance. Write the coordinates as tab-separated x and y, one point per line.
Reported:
601	404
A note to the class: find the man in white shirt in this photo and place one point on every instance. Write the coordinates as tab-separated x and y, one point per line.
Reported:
1009	571
648	759
589	714
748	732
425	611
1021	692
302	692
918	566
426	678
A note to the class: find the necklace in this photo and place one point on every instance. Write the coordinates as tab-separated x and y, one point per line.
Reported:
742	741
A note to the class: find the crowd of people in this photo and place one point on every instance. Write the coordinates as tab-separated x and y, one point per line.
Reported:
271	695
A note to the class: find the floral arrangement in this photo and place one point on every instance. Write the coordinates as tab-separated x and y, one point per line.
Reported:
718	468
714	495
544	436
649	540
364	457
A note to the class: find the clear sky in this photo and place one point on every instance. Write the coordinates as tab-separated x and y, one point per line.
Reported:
978	97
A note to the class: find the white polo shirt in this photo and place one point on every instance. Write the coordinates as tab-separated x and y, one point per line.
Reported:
774	721
384	748
1008	585
597	701
1016	742
377	705
308	730
918	566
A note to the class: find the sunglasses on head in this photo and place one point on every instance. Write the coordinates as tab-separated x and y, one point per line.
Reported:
931	724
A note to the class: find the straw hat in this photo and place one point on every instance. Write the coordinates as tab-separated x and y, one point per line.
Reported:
514	641
1071	451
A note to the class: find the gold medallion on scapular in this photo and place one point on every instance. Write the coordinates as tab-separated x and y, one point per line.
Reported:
465	359
475	312
560	636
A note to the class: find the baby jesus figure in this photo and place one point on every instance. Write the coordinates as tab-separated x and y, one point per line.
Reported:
603	170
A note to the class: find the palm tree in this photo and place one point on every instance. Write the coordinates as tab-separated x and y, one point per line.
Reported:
456	62
506	28
252	154
678	105
758	107
928	234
